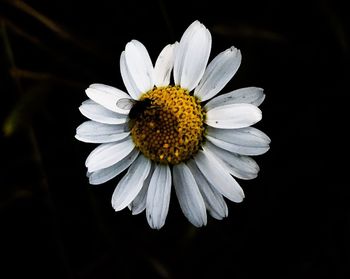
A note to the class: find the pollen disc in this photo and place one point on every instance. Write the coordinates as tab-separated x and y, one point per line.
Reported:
171	129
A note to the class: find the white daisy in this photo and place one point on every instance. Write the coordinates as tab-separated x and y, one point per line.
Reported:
163	134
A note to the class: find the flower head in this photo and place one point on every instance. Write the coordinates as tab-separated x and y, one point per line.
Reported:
164	134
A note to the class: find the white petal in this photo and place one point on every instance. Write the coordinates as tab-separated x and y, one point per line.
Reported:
218	176
158	196
213	200
245	141
240	166
139	65
108	154
164	65
131	184
139	203
106	174
106	96
98	113
190	199
218	73
180	52
248	136
249	95
192	56
129	83
94	132
233	116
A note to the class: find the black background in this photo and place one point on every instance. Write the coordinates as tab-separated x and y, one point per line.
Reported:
294	221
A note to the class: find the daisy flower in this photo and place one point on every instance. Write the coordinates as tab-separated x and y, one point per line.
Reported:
177	134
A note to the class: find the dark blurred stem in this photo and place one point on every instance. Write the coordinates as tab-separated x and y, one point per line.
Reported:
9	53
48	201
166	18
43	185
336	26
24	7
49	23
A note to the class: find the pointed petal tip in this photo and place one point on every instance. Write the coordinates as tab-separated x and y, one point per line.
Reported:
95	85
204	222
198	223
164	65
233	49
132	42
153	225
115	207
91	182
195	23
235	52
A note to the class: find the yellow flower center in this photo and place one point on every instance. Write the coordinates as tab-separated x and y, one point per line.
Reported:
168	125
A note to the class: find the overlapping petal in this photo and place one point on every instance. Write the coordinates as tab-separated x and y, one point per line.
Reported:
245	141
103	175
131	184
241	166
107	96
98	113
158	196
189	196
192	56
218	176
94	132
248	95
108	154
218	73
164	65
214	201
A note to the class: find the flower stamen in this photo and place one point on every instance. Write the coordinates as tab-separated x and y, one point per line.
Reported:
170	130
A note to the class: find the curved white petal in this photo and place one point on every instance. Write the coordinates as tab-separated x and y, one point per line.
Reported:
248	95
244	150
94	132
243	167
131	184
158	196
190	199
108	154
181	50
245	141
248	136
233	116
218	73
213	200
164	65
129	83
98	113
106	96
139	65
192	56
139	203
218	176
106	174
